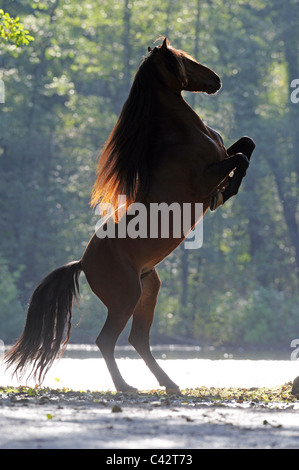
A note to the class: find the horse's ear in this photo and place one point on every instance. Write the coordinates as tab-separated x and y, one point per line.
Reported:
164	45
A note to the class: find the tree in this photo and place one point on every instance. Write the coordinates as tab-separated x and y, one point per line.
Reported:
63	95
13	31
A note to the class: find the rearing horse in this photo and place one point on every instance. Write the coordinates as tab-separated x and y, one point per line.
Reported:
159	151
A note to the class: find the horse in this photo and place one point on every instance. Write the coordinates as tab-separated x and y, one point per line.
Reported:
159	150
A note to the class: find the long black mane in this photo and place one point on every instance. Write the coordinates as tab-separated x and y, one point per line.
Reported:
125	160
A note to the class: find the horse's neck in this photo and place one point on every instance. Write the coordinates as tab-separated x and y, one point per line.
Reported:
176	112
189	113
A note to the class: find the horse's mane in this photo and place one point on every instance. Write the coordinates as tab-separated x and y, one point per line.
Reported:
125	162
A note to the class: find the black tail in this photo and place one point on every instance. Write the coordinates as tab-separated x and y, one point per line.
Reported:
49	312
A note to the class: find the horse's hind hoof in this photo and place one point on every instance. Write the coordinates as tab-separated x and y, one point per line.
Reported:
216	201
132	391
128	390
173	391
295	388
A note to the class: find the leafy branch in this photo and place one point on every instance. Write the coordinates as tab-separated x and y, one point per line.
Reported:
12	30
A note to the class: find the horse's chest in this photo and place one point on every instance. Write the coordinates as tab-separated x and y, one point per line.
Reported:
207	152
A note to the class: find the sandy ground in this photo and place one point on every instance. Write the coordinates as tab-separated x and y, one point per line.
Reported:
122	422
149	421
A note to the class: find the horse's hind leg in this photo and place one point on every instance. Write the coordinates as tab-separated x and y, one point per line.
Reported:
119	311
142	321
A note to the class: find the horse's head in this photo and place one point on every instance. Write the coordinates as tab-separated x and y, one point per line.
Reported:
181	72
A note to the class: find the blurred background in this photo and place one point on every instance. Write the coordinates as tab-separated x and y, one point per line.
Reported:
63	94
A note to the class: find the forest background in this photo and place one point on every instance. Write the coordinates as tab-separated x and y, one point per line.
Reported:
63	94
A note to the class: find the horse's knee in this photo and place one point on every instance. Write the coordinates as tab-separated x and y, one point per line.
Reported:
248	141
248	145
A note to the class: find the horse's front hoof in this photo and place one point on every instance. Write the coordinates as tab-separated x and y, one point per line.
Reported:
216	201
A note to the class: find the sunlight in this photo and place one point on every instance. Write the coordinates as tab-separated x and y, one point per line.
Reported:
92	374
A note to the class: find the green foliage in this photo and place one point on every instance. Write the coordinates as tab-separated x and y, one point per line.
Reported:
13	31
63	93
266	312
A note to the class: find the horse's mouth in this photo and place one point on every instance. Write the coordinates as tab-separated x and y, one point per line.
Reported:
213	89
214	86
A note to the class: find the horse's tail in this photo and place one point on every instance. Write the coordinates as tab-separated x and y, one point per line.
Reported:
49	312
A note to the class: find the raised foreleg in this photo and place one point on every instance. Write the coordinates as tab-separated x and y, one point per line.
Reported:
220	171
244	146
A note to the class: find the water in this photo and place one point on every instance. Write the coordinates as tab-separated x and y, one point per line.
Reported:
174	351
82	368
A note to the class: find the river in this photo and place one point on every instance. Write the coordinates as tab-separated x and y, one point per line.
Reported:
82	368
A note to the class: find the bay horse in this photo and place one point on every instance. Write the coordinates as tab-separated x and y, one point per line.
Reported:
159	151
